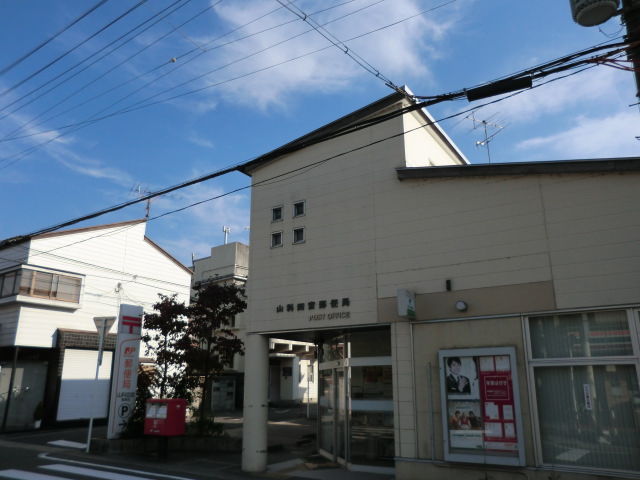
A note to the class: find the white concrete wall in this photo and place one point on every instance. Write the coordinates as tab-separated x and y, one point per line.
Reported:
593	225
226	260
579	231
339	255
229	259
426	146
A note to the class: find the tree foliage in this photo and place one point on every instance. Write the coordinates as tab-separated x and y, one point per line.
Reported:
164	339
193	344
211	314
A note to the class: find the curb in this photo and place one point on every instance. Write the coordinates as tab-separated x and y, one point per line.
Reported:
175	444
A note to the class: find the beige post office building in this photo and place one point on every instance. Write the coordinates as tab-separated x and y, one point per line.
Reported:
470	321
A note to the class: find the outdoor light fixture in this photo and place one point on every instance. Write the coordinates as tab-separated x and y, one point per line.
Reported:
461	306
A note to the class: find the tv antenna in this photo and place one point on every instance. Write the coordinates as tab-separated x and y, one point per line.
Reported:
491	129
140	192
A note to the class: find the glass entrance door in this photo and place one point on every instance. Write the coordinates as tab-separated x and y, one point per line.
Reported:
332	414
356	423
356	401
371	416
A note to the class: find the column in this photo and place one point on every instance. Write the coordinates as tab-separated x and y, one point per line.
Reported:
256	387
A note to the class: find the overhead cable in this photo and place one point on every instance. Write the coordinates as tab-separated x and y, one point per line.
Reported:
50	39
42	69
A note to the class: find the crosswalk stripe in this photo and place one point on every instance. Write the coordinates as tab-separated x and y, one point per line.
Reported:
67	443
22	475
90	472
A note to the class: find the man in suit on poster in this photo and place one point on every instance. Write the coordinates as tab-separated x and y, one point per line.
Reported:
456	383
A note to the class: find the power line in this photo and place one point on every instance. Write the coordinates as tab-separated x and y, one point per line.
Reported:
42	69
501	82
279	152
141	104
62	74
169	61
50	39
339	44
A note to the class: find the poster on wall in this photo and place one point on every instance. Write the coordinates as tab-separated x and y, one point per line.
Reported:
481	414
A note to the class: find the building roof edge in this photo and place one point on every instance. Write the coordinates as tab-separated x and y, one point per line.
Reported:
607	165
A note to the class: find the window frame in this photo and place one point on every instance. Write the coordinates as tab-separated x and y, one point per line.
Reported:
294	233
303	203
273	236
280	209
47	287
533	363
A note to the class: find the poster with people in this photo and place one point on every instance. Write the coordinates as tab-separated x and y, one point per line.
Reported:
480	406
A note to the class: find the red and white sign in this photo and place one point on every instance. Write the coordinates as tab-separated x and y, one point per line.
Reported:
125	375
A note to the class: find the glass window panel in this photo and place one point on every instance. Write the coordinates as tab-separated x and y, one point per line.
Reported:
371	418
593	334
9	283
370	344
298	209
68	289
298	235
42	284
326	410
276	239
332	349
589	416
26	282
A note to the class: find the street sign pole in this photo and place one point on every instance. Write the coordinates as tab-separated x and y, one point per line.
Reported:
103	324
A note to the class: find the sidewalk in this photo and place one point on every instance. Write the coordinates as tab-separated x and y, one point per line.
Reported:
292	452
293	449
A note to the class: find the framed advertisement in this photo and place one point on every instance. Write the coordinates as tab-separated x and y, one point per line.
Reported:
481	416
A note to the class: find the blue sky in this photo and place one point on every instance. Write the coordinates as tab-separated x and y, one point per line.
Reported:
85	125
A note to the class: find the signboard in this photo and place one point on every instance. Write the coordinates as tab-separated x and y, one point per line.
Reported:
481	414
406	303
125	374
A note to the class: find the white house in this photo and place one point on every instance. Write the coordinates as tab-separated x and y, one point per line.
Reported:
51	288
471	321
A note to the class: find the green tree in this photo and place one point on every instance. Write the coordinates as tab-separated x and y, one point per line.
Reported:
212	344
165	339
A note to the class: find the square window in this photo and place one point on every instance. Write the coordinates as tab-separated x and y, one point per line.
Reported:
298	209
276	214
298	235
276	239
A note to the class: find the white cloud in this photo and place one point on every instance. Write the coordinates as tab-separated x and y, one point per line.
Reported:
91	167
57	144
397	52
200	141
612	136
200	227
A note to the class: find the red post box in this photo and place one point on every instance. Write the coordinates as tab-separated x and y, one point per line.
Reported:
165	416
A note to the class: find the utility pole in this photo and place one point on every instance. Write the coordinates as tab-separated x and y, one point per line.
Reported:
589	13
631	18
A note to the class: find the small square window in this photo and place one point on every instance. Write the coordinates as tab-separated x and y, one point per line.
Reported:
298	209
276	239
298	235
276	214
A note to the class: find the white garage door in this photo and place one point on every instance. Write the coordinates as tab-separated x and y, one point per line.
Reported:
78	375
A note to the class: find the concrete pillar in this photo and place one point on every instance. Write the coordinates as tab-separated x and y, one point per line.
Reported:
256	409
